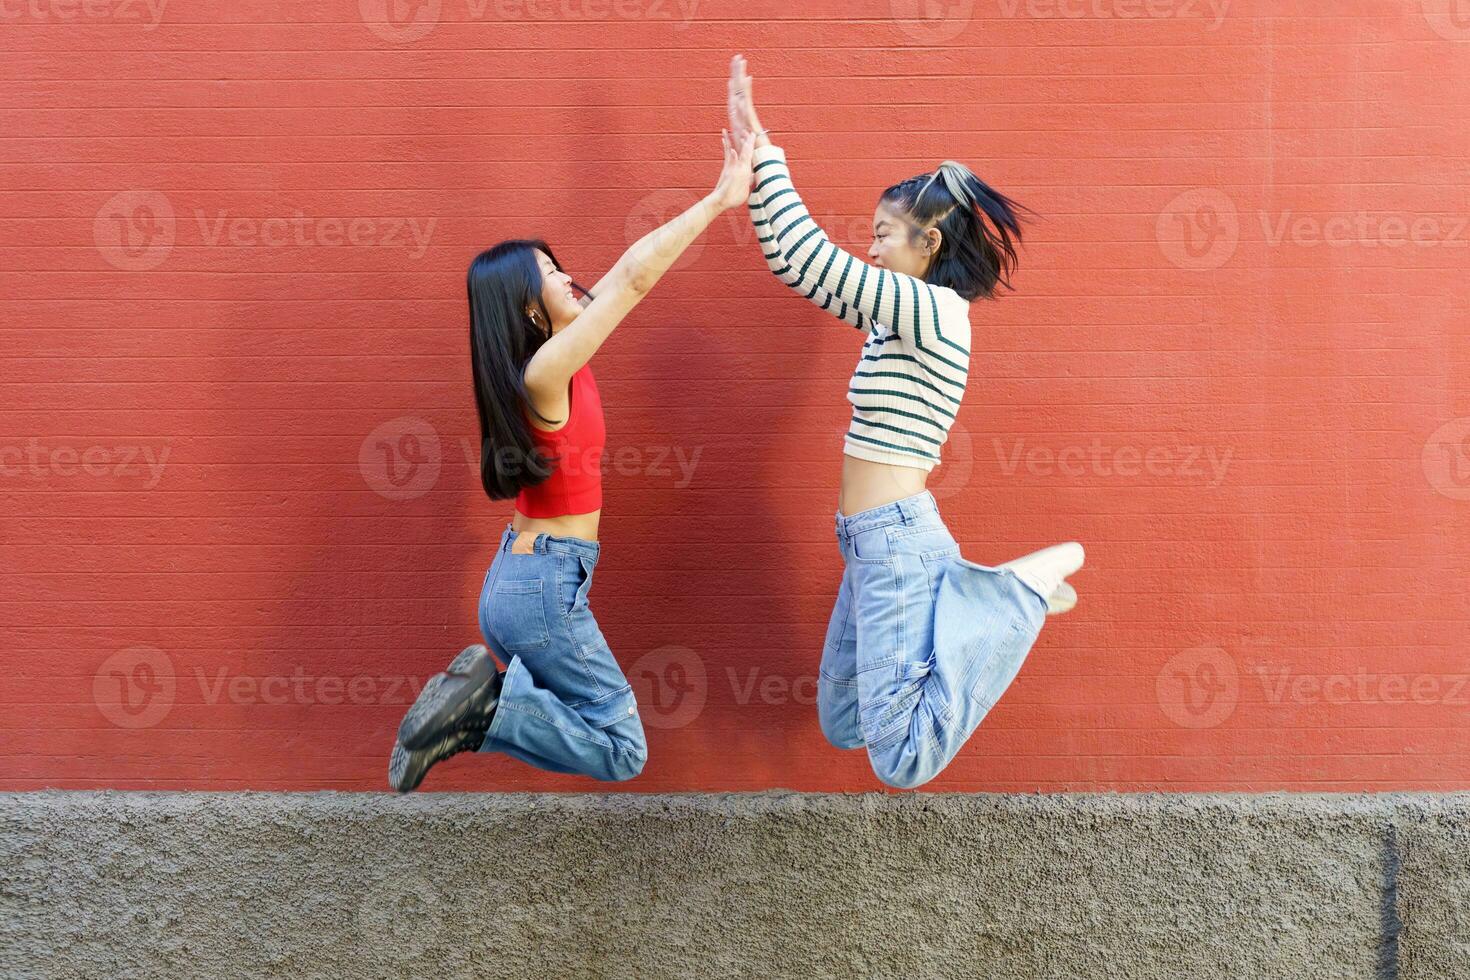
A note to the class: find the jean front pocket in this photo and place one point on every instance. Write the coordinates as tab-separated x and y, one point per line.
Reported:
518	614
926	540
872	545
576	581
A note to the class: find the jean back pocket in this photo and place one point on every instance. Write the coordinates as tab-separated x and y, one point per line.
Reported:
517	614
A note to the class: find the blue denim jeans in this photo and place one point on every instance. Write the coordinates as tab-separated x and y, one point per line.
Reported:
565	705
921	643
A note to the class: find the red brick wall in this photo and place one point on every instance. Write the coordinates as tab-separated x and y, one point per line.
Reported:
1235	368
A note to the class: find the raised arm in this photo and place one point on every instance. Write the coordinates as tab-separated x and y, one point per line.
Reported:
907	305
800	254
632	276
766	239
745	121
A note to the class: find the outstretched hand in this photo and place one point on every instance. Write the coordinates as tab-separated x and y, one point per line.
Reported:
733	188
743	117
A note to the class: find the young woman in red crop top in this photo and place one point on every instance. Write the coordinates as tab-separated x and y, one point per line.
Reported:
561	702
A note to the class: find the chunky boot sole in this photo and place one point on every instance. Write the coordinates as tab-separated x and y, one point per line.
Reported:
405	772
466	659
448	698
408	767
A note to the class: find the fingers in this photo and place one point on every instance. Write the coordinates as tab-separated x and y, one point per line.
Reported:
739	77
743	120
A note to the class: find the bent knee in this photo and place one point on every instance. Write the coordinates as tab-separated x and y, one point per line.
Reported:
841	736
837	712
902	769
907	778
626	760
627	767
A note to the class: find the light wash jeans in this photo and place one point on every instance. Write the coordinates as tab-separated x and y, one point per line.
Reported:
921	643
565	705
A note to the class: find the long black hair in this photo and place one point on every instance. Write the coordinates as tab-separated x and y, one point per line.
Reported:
979	227
503	282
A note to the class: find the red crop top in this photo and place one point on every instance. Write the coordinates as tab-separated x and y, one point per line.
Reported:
575	485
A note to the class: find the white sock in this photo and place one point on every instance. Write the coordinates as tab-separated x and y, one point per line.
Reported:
1064	599
1044	571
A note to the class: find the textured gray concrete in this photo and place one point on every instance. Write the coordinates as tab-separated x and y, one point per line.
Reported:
769	885
1433	888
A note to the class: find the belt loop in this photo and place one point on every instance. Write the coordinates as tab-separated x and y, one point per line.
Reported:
920	504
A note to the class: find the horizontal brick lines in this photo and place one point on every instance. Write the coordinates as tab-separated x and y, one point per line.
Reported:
262	548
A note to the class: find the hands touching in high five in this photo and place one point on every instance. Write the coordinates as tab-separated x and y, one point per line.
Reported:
733	187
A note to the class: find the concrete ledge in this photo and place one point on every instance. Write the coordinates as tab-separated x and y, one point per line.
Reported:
769	885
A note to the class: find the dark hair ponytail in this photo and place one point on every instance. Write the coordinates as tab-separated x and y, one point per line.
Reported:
502	282
979	226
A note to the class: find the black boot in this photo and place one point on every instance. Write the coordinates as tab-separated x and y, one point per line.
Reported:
467	658
408	767
456	701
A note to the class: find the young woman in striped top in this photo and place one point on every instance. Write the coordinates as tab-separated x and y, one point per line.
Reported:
921	643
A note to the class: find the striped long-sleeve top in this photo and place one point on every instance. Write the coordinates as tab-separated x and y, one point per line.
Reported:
916	358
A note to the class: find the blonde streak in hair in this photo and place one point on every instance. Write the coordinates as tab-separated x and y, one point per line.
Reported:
957	178
927	184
